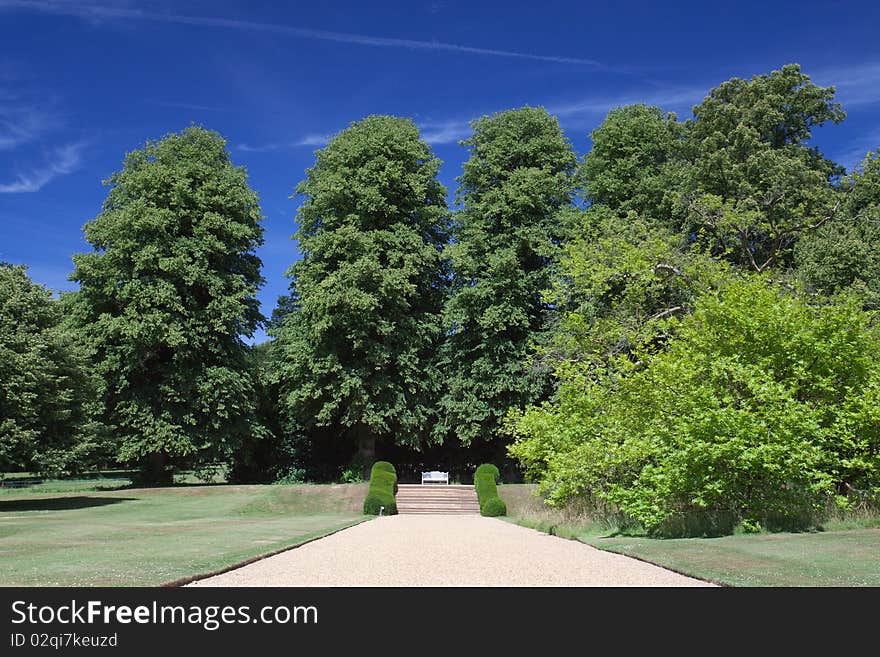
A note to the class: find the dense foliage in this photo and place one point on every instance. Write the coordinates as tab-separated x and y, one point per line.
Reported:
757	409
165	299
357	347
843	254
513	191
707	374
692	348
47	402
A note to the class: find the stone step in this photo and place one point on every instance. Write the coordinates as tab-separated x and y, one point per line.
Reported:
437	499
438	512
432	494
463	507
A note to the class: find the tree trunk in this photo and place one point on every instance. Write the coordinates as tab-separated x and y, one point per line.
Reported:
366	447
154	470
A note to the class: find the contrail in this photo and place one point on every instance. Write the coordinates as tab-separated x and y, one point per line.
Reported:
104	12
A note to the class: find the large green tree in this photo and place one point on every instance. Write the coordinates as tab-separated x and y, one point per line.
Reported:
46	388
166	297
515	191
754	184
359	332
760	408
635	162
689	389
846	253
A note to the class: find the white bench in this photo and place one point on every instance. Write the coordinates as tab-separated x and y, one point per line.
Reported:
435	477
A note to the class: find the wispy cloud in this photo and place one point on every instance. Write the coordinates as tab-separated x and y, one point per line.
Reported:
445	132
671	99
591	108
106	12
21	121
853	153
308	140
858	84
61	161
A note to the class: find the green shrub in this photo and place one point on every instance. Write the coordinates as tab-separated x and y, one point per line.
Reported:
292	475
494	506
758	410
384	466
375	500
384	479
487	492
490	468
383	487
484	484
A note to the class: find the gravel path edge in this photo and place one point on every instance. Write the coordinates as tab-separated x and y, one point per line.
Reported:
189	579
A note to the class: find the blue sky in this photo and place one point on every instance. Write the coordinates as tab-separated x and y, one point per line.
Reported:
82	83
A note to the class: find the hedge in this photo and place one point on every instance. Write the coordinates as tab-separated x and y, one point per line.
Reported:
485	479
488	467
383	487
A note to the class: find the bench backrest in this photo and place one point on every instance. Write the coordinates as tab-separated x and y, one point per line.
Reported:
435	476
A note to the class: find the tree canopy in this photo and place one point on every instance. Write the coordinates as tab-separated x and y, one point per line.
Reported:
514	189
46	386
358	342
166	297
714	361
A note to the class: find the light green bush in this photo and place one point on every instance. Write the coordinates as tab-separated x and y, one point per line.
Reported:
756	411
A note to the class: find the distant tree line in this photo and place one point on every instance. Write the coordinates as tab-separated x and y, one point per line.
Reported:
680	324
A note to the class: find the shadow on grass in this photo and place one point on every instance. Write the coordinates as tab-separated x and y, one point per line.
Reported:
60	503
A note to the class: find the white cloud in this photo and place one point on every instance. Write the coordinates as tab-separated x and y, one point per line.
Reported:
671	99
852	154
21	121
312	139
855	85
62	161
448	132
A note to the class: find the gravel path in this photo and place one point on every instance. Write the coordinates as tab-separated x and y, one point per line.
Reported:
437	550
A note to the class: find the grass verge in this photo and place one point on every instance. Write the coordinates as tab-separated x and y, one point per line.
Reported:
846	553
148	537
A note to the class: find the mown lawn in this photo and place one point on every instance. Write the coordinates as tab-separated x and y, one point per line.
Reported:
146	537
833	558
836	557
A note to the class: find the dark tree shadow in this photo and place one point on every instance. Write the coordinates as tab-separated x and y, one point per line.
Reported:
60	503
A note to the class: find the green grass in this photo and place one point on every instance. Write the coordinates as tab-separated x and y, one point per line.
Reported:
67	486
147	537
834	558
847	553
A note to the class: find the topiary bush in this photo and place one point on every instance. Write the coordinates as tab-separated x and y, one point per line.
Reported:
383	487
484	484
375	501
492	507
485	479
385	466
490	468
